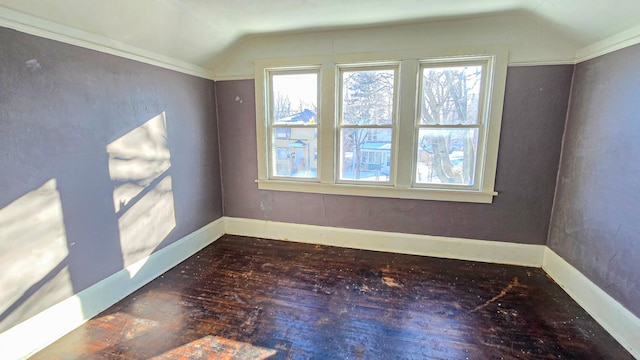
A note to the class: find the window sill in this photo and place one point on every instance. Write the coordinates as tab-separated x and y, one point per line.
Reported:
482	197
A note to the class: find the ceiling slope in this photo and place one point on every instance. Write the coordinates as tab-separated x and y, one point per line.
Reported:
197	34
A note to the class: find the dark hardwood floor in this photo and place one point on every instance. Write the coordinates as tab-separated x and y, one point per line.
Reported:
246	298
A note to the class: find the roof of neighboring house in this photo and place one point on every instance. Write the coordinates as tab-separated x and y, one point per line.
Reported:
379	141
376	145
297	144
305	117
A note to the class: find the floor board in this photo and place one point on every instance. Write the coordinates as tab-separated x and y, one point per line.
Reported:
247	298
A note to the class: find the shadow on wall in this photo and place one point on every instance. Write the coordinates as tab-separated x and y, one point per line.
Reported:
36	254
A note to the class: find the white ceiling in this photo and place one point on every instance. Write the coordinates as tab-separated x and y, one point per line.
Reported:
199	32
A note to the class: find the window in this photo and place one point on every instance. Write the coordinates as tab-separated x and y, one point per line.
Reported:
366	123
449	124
411	127
293	124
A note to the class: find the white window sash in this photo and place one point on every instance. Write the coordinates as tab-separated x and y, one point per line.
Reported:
405	128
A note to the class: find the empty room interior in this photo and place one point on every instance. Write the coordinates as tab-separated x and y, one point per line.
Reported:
292	179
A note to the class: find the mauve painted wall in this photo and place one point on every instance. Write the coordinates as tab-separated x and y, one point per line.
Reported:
596	218
534	116
60	107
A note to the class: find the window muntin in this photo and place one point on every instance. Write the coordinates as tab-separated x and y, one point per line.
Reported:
451	121
293	124
366	122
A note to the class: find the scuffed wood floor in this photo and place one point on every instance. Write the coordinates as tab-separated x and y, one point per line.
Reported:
246	298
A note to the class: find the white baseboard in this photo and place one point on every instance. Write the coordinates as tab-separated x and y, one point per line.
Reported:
34	334
41	330
618	321
615	318
426	245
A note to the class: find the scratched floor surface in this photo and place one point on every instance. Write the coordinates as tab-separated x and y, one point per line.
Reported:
246	298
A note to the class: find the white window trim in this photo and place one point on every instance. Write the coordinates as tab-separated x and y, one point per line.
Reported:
484	112
395	66
404	157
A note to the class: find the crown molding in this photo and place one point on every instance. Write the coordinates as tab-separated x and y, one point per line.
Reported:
613	43
68	35
541	63
51	30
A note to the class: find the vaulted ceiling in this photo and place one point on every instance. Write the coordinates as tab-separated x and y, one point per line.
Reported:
201	32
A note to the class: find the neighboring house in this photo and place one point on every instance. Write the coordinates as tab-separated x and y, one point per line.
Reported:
375	155
296	148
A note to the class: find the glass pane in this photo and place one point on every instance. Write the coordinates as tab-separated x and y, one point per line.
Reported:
450	95
365	154
295	154
295	98
447	156
367	97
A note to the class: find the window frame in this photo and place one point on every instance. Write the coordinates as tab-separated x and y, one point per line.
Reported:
482	123
272	125
339	108
402	177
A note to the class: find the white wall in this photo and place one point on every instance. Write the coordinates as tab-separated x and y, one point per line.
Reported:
528	40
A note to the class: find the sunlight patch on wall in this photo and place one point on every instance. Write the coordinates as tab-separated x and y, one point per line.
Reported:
142	197
33	255
216	347
147	222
